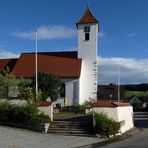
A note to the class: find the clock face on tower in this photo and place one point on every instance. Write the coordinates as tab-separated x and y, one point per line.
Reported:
87	29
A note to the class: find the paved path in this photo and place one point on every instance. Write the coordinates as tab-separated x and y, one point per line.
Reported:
21	138
136	139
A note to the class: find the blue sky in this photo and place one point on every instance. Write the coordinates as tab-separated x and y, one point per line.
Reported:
123	37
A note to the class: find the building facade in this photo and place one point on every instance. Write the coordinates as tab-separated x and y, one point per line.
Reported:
77	69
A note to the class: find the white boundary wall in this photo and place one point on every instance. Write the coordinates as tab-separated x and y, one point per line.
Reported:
119	114
47	110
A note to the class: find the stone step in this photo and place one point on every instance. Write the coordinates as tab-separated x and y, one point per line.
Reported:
70	128
74	125
66	121
73	134
139	113
70	123
67	131
140	116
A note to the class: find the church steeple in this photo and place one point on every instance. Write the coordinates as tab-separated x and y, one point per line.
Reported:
87	18
87	28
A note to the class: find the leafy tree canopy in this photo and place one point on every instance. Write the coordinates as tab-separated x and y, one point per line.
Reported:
49	85
8	84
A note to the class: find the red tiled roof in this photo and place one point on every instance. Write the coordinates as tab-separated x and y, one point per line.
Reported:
3	63
7	62
110	104
42	103
58	66
66	54
87	18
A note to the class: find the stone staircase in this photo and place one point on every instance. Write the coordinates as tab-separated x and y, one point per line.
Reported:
141	115
76	125
141	119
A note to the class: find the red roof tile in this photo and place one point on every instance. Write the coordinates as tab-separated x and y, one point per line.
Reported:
110	104
66	54
3	63
87	18
58	66
7	62
42	103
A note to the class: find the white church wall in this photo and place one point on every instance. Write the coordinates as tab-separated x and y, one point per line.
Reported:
87	50
71	90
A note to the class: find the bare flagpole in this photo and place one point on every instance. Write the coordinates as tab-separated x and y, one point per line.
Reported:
119	84
36	64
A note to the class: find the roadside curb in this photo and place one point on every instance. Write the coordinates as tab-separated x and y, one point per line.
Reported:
125	135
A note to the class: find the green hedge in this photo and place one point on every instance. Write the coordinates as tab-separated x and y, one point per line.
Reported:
106	126
73	108
22	114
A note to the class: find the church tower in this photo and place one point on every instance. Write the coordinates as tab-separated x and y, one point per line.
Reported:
88	28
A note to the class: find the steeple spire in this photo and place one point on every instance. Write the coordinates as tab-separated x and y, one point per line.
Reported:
87	18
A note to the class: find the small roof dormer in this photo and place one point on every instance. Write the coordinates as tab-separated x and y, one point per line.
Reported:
87	18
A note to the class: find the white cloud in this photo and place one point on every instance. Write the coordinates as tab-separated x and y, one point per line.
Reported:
131	70
47	33
7	54
133	34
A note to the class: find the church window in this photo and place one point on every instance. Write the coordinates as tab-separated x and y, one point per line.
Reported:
87	29
86	36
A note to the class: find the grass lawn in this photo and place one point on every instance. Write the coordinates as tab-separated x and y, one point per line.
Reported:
136	93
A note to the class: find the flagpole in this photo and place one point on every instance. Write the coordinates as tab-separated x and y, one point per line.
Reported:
36	65
119	84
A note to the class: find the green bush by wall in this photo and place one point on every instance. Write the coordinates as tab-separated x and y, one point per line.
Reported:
106	126
28	114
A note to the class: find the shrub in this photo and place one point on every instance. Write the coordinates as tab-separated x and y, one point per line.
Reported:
88	103
8	84
28	114
4	110
42	119
106	126
137	106
73	108
26	93
41	96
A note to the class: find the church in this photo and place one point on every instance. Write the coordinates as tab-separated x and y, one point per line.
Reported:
77	69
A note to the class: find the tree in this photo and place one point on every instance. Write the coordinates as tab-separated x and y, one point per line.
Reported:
25	91
49	85
8	84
